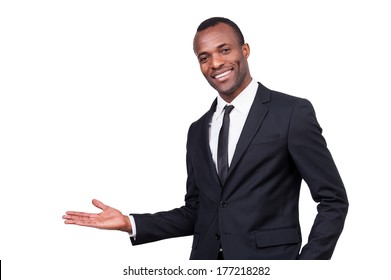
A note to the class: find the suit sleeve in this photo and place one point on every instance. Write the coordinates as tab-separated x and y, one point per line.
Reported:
174	223
309	151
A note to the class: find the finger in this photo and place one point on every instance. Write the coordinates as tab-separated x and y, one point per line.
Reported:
79	217
86	222
81	214
99	204
81	223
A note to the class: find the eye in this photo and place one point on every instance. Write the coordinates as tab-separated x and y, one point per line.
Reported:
225	50
203	59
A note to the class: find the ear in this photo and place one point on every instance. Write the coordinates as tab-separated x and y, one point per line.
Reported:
246	50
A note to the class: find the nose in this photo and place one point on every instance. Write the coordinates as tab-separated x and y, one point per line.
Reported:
216	61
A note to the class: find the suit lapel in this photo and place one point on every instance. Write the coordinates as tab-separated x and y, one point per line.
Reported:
207	120
258	112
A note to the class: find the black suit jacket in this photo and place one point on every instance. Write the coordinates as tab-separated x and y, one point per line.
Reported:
255	214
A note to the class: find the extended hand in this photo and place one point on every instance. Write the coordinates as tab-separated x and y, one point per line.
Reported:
109	218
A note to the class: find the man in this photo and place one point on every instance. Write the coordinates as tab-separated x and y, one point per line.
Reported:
245	164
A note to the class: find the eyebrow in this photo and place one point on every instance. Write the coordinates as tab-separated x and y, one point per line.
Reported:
218	47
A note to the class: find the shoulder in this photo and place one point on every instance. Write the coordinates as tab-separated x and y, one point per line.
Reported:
198	127
282	98
206	117
280	101
266	95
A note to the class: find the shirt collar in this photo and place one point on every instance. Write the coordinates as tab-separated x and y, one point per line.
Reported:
242	102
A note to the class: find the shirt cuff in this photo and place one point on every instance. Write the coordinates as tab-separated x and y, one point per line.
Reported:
133	224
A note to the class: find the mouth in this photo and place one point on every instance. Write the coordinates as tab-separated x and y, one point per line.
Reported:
222	76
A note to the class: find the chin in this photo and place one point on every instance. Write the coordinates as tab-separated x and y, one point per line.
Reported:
227	91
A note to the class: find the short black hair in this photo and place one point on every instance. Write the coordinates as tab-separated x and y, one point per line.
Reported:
216	20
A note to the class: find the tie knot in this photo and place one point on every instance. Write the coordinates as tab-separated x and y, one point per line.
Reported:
228	109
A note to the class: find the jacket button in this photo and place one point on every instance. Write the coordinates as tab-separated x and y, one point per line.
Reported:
217	236
223	204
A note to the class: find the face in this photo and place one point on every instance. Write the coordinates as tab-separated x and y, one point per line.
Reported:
223	61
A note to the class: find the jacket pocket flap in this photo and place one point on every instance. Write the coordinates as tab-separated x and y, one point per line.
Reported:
277	237
267	139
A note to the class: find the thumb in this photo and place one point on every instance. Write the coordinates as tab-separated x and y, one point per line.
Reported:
99	204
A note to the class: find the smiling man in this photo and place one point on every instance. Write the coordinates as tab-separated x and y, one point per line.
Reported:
222	54
246	159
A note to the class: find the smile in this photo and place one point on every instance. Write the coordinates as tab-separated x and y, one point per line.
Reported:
222	75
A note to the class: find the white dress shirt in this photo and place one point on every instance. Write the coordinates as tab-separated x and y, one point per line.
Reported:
242	104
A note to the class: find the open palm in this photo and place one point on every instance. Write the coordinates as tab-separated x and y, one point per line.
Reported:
109	218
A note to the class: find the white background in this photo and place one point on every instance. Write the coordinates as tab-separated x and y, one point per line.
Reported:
96	98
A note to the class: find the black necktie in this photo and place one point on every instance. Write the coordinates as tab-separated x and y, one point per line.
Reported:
222	148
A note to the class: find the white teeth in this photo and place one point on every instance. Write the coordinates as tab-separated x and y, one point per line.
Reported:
222	74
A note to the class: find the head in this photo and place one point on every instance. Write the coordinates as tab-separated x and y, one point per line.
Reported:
222	54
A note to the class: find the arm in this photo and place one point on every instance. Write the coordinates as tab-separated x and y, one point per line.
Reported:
315	163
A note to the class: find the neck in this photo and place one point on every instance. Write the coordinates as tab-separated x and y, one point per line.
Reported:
230	97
